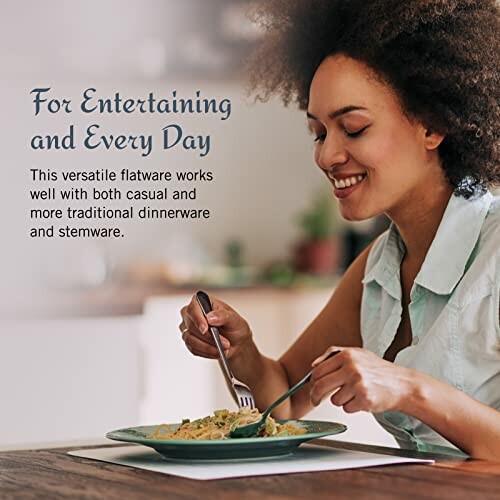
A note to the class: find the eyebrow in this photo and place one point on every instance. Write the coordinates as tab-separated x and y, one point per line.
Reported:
338	112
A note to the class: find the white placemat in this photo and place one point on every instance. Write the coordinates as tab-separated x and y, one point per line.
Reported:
308	458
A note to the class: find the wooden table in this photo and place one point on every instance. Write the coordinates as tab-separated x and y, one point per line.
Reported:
52	474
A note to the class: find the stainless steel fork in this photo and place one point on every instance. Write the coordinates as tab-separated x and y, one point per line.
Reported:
240	392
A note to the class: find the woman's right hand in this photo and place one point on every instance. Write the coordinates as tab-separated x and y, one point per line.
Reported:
234	330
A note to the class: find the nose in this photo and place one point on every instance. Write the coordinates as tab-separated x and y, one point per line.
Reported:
331	153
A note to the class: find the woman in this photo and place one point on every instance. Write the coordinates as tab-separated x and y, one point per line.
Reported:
403	101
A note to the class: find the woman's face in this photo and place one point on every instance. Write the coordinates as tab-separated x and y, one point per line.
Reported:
375	157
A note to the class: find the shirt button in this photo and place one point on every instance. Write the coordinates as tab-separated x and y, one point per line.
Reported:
415	341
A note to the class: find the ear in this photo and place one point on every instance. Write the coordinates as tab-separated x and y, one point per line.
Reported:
432	139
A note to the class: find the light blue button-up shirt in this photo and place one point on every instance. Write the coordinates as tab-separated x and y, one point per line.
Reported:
454	310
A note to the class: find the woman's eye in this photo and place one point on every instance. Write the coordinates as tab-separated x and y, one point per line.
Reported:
355	134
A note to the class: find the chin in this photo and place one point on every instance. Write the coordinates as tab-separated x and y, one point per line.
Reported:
355	214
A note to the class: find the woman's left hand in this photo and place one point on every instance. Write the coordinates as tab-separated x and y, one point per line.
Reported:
360	380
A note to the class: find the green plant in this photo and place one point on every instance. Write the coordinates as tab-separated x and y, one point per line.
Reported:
319	221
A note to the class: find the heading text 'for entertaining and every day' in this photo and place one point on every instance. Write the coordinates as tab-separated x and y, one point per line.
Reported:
173	135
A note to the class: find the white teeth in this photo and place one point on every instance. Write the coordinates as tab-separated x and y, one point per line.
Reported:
347	182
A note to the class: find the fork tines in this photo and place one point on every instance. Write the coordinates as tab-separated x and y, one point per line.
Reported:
244	401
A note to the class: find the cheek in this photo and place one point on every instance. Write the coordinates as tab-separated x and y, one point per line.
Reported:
380	149
390	153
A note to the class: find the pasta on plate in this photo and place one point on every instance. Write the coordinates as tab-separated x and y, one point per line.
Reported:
222	423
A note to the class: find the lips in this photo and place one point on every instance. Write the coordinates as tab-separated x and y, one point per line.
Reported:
345	180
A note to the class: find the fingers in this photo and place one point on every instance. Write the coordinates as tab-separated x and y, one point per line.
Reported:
225	316
194	328
196	333
353	406
336	374
192	331
343	396
330	365
358	380
201	348
327	384
320	359
194	316
195	320
219	317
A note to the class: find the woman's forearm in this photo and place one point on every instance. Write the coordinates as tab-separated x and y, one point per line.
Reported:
266	378
470	425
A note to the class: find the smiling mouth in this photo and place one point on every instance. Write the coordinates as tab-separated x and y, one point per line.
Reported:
346	182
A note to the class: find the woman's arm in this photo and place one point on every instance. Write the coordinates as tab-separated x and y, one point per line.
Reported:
362	381
472	426
338	324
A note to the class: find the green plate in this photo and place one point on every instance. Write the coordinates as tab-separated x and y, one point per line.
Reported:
224	449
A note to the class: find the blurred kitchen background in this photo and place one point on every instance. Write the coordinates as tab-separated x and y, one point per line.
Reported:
89	337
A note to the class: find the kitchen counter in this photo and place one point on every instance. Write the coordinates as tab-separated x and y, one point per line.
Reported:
51	473
125	299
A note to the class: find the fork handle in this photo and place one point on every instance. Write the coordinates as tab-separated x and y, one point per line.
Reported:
206	306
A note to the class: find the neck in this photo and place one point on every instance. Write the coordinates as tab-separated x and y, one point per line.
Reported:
417	218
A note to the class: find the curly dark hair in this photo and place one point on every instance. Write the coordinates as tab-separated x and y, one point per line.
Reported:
441	57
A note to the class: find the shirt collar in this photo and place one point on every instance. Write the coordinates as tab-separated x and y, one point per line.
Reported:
386	269
447	257
455	239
